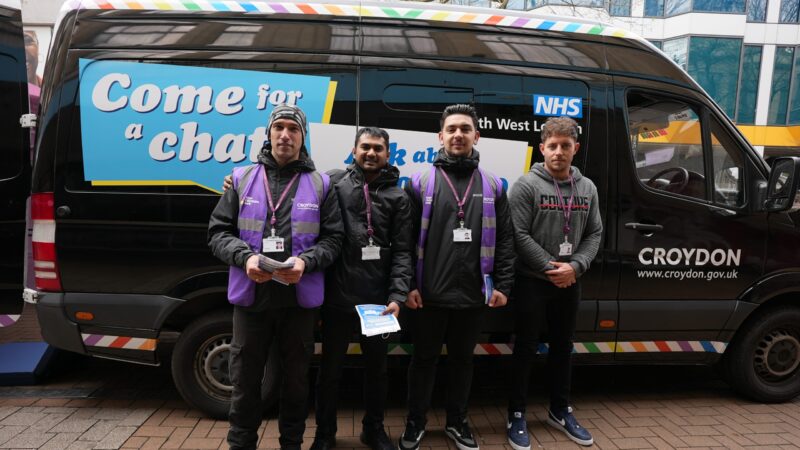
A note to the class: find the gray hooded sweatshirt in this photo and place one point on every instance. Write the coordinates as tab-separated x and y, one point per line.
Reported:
539	221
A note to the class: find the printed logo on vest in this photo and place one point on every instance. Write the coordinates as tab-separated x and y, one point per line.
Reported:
429	199
307	206
250	201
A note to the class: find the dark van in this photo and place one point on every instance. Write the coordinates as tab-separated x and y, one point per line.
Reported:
144	111
15	161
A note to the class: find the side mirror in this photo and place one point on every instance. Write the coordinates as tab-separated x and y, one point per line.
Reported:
782	185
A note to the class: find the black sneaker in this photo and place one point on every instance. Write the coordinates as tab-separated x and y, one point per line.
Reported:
461	434
376	439
411	437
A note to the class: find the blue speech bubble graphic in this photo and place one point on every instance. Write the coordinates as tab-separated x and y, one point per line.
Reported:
160	124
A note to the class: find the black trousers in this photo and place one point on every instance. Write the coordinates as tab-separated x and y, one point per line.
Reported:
539	306
432	327
338	328
253	334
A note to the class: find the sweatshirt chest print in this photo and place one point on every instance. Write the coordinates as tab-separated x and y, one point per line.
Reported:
552	203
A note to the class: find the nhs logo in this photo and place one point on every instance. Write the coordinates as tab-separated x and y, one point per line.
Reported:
552	105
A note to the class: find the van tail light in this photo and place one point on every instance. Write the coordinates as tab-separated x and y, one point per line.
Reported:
45	266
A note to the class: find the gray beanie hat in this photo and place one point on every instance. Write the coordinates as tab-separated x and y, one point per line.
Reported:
290	112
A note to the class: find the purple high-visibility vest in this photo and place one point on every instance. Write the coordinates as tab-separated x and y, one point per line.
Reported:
425	182
311	191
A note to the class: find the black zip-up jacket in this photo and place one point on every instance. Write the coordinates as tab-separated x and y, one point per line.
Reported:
452	270
223	233
352	281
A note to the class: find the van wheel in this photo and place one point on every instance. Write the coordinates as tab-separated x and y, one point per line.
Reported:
763	362
200	366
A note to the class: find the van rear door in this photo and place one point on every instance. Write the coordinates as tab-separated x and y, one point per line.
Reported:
15	168
690	237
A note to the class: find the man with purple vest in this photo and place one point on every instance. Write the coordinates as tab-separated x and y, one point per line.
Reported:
286	210
465	262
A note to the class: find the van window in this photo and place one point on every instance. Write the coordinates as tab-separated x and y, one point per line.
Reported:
666	140
666	136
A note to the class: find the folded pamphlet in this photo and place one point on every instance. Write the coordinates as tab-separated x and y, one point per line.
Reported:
488	288
270	265
373	322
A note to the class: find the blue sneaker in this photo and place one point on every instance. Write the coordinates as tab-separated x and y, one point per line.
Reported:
517	432
566	422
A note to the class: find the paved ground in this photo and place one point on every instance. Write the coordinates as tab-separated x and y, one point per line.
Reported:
89	403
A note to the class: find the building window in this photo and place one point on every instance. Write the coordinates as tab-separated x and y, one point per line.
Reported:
748	85
728	6
658	44
789	10
794	98
677	50
654	8
781	82
714	64
756	10
619	8
675	7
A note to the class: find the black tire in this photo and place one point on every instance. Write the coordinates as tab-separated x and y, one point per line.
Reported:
200	367
200	364
763	361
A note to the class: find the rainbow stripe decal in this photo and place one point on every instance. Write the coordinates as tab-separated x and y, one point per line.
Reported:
6	320
126	342
479	16
579	348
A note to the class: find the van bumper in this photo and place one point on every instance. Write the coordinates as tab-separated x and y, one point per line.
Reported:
57	329
124	326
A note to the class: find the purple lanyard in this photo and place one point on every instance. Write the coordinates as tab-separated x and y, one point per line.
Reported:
370	230
567	209
463	199
274	208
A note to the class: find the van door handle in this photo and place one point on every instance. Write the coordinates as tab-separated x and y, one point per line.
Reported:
647	227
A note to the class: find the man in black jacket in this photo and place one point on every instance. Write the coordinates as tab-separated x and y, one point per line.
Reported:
267	309
375	267
465	239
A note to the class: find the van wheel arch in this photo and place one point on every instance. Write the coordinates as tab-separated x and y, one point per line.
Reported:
200	366
763	360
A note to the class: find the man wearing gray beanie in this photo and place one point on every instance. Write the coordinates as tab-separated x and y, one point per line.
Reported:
281	208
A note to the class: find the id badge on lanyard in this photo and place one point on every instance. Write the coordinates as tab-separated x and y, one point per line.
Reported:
565	248
460	234
371	252
273	243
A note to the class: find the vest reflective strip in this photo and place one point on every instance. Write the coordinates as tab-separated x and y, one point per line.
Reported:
251	224
489	222
305	227
425	223
487	252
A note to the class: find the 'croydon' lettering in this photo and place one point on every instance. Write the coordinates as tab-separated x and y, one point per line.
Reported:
656	256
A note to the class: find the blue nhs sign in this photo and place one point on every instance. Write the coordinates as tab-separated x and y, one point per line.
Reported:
552	105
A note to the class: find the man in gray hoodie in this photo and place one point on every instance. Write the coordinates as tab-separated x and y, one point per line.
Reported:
557	234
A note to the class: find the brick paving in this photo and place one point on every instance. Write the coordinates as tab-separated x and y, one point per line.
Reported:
87	403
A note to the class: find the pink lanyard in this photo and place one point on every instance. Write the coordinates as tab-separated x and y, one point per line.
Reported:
370	230
567	209
274	208
463	199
